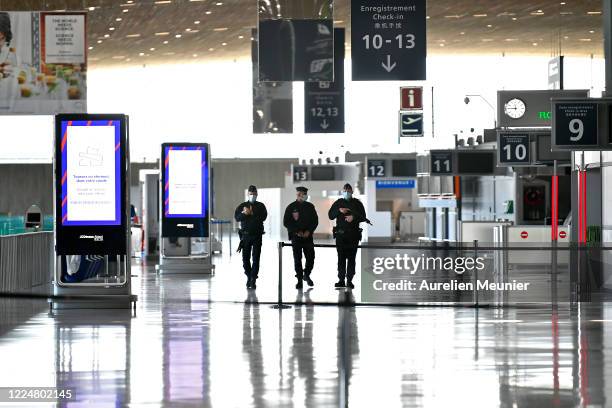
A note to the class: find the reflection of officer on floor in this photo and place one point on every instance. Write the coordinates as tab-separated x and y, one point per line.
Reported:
251	215
348	213
348	339
302	349
252	348
301	221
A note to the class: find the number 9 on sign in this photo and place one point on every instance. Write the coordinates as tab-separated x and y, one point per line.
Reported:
576	127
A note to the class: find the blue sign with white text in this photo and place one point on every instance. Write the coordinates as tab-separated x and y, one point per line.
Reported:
382	184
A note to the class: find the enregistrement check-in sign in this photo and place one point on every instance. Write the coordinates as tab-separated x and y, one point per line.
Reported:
389	40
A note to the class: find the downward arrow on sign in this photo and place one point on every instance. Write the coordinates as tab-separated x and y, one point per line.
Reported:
324	124
388	66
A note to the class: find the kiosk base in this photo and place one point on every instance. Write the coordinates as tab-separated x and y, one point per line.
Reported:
185	265
126	302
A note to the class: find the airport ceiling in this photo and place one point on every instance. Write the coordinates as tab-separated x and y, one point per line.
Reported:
130	32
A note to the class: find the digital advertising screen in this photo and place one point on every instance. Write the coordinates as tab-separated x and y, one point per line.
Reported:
90	171
185	183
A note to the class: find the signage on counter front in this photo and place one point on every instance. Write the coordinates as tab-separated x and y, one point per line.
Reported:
576	124
514	149
300	173
441	162
388	184
377	168
389	40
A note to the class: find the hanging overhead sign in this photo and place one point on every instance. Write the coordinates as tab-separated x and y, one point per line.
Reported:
324	101
296	49
91	184
272	101
555	73
389	40
43	62
186	189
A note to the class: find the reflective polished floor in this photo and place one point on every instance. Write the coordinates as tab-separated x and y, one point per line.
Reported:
195	342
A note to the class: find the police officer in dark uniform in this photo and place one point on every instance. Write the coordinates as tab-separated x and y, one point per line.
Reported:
348	213
251	214
301	221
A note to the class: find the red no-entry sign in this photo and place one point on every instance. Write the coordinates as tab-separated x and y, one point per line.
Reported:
411	98
562	234
524	234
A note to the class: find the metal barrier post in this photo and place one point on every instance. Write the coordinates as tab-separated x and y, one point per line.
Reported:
475	274
280	304
231	231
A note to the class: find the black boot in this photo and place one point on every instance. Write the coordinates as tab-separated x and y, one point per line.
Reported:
350	284
299	285
248	284
308	280
340	284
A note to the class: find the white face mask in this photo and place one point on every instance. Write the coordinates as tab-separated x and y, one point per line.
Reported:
252	197
347	195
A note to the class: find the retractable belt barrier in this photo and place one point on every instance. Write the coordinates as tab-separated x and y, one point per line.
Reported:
26	260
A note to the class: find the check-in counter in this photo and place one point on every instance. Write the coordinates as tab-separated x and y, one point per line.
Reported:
532	235
481	231
26	261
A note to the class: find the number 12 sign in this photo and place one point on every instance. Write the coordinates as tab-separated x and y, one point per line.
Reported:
575	125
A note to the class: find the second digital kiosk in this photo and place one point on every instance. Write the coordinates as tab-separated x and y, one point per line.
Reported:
185	244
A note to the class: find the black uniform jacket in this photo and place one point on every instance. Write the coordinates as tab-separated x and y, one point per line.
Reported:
355	208
251	225
307	220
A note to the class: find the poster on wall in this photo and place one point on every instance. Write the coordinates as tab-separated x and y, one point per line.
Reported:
43	62
90	174
185	183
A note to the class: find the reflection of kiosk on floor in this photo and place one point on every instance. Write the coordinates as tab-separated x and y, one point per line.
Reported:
185	244
91	212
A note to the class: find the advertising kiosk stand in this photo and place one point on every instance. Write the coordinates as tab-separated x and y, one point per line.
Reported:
92	223
185	240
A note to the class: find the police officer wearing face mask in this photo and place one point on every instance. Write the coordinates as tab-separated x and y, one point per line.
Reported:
348	213
301	221
251	214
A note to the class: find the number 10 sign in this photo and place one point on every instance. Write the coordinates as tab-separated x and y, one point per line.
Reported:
577	125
